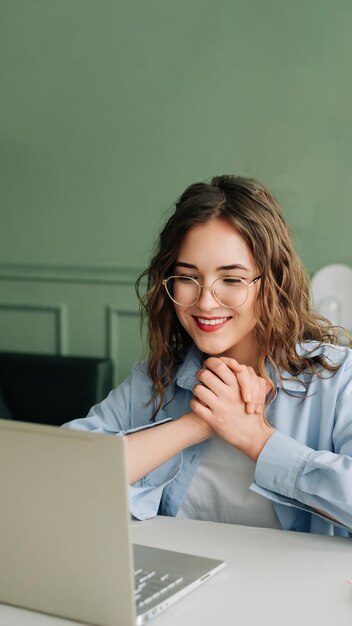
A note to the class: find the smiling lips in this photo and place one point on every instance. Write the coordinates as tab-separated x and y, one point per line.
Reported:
210	324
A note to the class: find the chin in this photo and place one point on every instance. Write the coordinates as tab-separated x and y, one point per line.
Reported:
213	348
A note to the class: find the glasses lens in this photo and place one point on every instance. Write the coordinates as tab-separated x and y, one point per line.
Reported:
182	289
230	291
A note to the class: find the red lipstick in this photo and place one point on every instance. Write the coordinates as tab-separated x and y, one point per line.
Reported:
210	327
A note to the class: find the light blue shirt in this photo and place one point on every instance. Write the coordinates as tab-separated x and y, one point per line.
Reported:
306	464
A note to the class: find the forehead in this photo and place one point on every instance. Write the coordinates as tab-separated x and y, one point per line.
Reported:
214	244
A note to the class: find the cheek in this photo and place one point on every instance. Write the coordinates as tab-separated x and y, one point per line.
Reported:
177	311
180	314
249	314
254	307
257	308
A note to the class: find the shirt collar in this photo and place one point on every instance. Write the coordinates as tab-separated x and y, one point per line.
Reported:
286	380
294	383
185	374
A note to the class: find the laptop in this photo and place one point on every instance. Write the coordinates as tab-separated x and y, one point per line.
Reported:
65	532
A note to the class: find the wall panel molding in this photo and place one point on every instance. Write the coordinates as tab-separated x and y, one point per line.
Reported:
116	275
118	321
59	314
71	310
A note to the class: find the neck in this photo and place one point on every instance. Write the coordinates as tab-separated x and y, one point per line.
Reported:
246	352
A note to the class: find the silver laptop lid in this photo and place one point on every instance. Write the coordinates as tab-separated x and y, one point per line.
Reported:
57	552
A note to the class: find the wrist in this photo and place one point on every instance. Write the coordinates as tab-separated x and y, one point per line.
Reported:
254	447
197	429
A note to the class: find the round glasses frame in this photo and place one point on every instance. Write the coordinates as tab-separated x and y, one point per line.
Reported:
211	287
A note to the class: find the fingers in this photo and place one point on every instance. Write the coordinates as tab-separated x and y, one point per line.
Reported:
245	377
258	392
235	367
212	382
204	395
259	397
222	371
201	410
254	389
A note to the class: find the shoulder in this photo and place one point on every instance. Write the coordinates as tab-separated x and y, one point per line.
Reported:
333	354
339	357
183	375
137	383
336	375
139	378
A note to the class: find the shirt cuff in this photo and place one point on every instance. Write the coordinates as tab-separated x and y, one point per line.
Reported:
280	463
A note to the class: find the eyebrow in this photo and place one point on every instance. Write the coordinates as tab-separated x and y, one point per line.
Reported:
235	266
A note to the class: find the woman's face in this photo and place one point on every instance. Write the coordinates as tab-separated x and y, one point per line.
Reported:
210	251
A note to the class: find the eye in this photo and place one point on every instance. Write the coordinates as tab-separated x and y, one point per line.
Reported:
232	281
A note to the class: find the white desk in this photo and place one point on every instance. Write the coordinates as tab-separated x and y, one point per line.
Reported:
272	577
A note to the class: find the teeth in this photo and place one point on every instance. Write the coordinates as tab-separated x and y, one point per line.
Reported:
221	320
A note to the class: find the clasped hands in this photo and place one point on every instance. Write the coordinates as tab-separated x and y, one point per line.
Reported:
230	399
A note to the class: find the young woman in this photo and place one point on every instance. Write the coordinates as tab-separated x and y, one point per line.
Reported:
250	393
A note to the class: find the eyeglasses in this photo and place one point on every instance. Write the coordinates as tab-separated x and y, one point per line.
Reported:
229	291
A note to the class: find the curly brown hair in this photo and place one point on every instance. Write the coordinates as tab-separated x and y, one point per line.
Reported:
283	309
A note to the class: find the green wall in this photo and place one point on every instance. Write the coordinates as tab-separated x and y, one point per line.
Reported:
109	108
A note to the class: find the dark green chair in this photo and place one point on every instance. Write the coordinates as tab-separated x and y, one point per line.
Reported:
50	389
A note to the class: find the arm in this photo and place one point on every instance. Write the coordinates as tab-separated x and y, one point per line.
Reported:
319	476
319	479
150	448
124	410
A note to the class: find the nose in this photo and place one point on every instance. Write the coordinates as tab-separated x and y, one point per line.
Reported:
206	301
